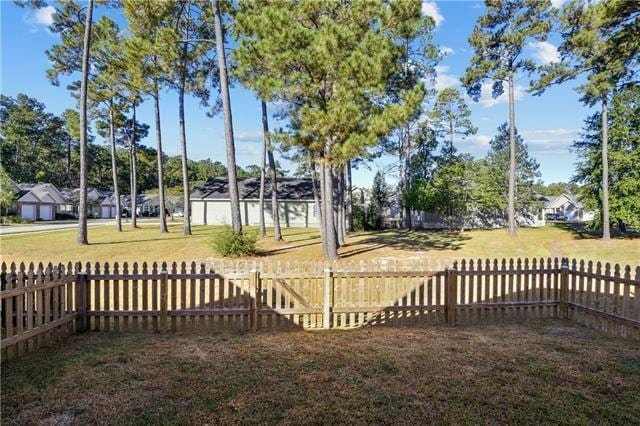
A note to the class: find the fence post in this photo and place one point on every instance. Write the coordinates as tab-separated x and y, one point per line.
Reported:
564	288
451	295
82	305
254	293
326	299
164	295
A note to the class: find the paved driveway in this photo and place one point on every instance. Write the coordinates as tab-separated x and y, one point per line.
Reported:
49	226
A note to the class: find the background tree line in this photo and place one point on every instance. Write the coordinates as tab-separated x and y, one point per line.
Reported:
38	146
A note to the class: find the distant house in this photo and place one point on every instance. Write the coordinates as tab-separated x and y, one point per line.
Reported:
210	203
95	197
39	201
566	205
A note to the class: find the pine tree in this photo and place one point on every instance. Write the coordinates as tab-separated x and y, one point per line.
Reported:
145	20
333	63
498	40
234	197
418	57
186	61
623	157
600	40
491	196
451	117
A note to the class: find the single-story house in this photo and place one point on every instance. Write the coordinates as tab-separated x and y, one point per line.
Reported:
95	197
210	204
39	201
567	205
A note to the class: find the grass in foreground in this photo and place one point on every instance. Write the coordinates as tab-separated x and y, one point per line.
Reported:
547	372
147	244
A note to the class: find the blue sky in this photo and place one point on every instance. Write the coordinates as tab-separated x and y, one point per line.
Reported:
548	123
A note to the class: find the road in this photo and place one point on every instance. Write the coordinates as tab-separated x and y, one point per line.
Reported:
49	226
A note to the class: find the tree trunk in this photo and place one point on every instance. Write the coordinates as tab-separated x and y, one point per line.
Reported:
114	167
82	208
407	178
228	122
134	173
316	195
186	229
606	233
329	217
511	213
322	208
277	234
340	220
349	189
263	160
156	107
401	186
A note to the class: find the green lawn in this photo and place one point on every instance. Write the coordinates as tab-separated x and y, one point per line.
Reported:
542	372
147	244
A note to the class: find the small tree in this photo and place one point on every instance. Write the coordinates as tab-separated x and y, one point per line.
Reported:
379	200
492	194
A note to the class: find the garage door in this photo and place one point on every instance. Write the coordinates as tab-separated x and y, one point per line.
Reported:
28	211
105	212
46	213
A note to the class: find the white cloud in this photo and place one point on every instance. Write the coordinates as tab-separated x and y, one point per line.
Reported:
479	141
446	51
430	8
444	79
545	52
487	100
39	17
246	136
477	5
557	3
549	132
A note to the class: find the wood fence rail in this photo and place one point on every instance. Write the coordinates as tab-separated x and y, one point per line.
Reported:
42	303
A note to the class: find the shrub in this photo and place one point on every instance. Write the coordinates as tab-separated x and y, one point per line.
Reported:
65	216
227	244
6	220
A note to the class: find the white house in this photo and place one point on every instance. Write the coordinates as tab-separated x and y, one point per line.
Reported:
40	201
210	203
567	205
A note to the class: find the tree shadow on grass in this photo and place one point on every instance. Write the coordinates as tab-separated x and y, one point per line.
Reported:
417	240
580	231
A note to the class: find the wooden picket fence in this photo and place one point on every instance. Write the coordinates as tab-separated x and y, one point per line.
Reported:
43	303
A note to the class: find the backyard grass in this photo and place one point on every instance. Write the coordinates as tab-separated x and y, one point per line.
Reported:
147	244
541	372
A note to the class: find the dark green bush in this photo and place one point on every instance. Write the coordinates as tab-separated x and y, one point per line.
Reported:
227	244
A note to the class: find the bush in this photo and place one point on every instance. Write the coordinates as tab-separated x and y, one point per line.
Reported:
65	216
6	220
228	244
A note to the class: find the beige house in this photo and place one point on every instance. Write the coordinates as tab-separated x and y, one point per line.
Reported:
40	201
210	203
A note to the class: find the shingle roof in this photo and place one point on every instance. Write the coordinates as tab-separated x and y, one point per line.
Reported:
249	188
41	191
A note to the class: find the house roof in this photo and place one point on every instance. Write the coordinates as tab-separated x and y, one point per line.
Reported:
556	201
249	188
43	192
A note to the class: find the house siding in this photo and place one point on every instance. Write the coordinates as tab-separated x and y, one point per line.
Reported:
218	212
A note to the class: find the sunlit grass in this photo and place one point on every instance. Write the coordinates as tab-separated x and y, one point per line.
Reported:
148	244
